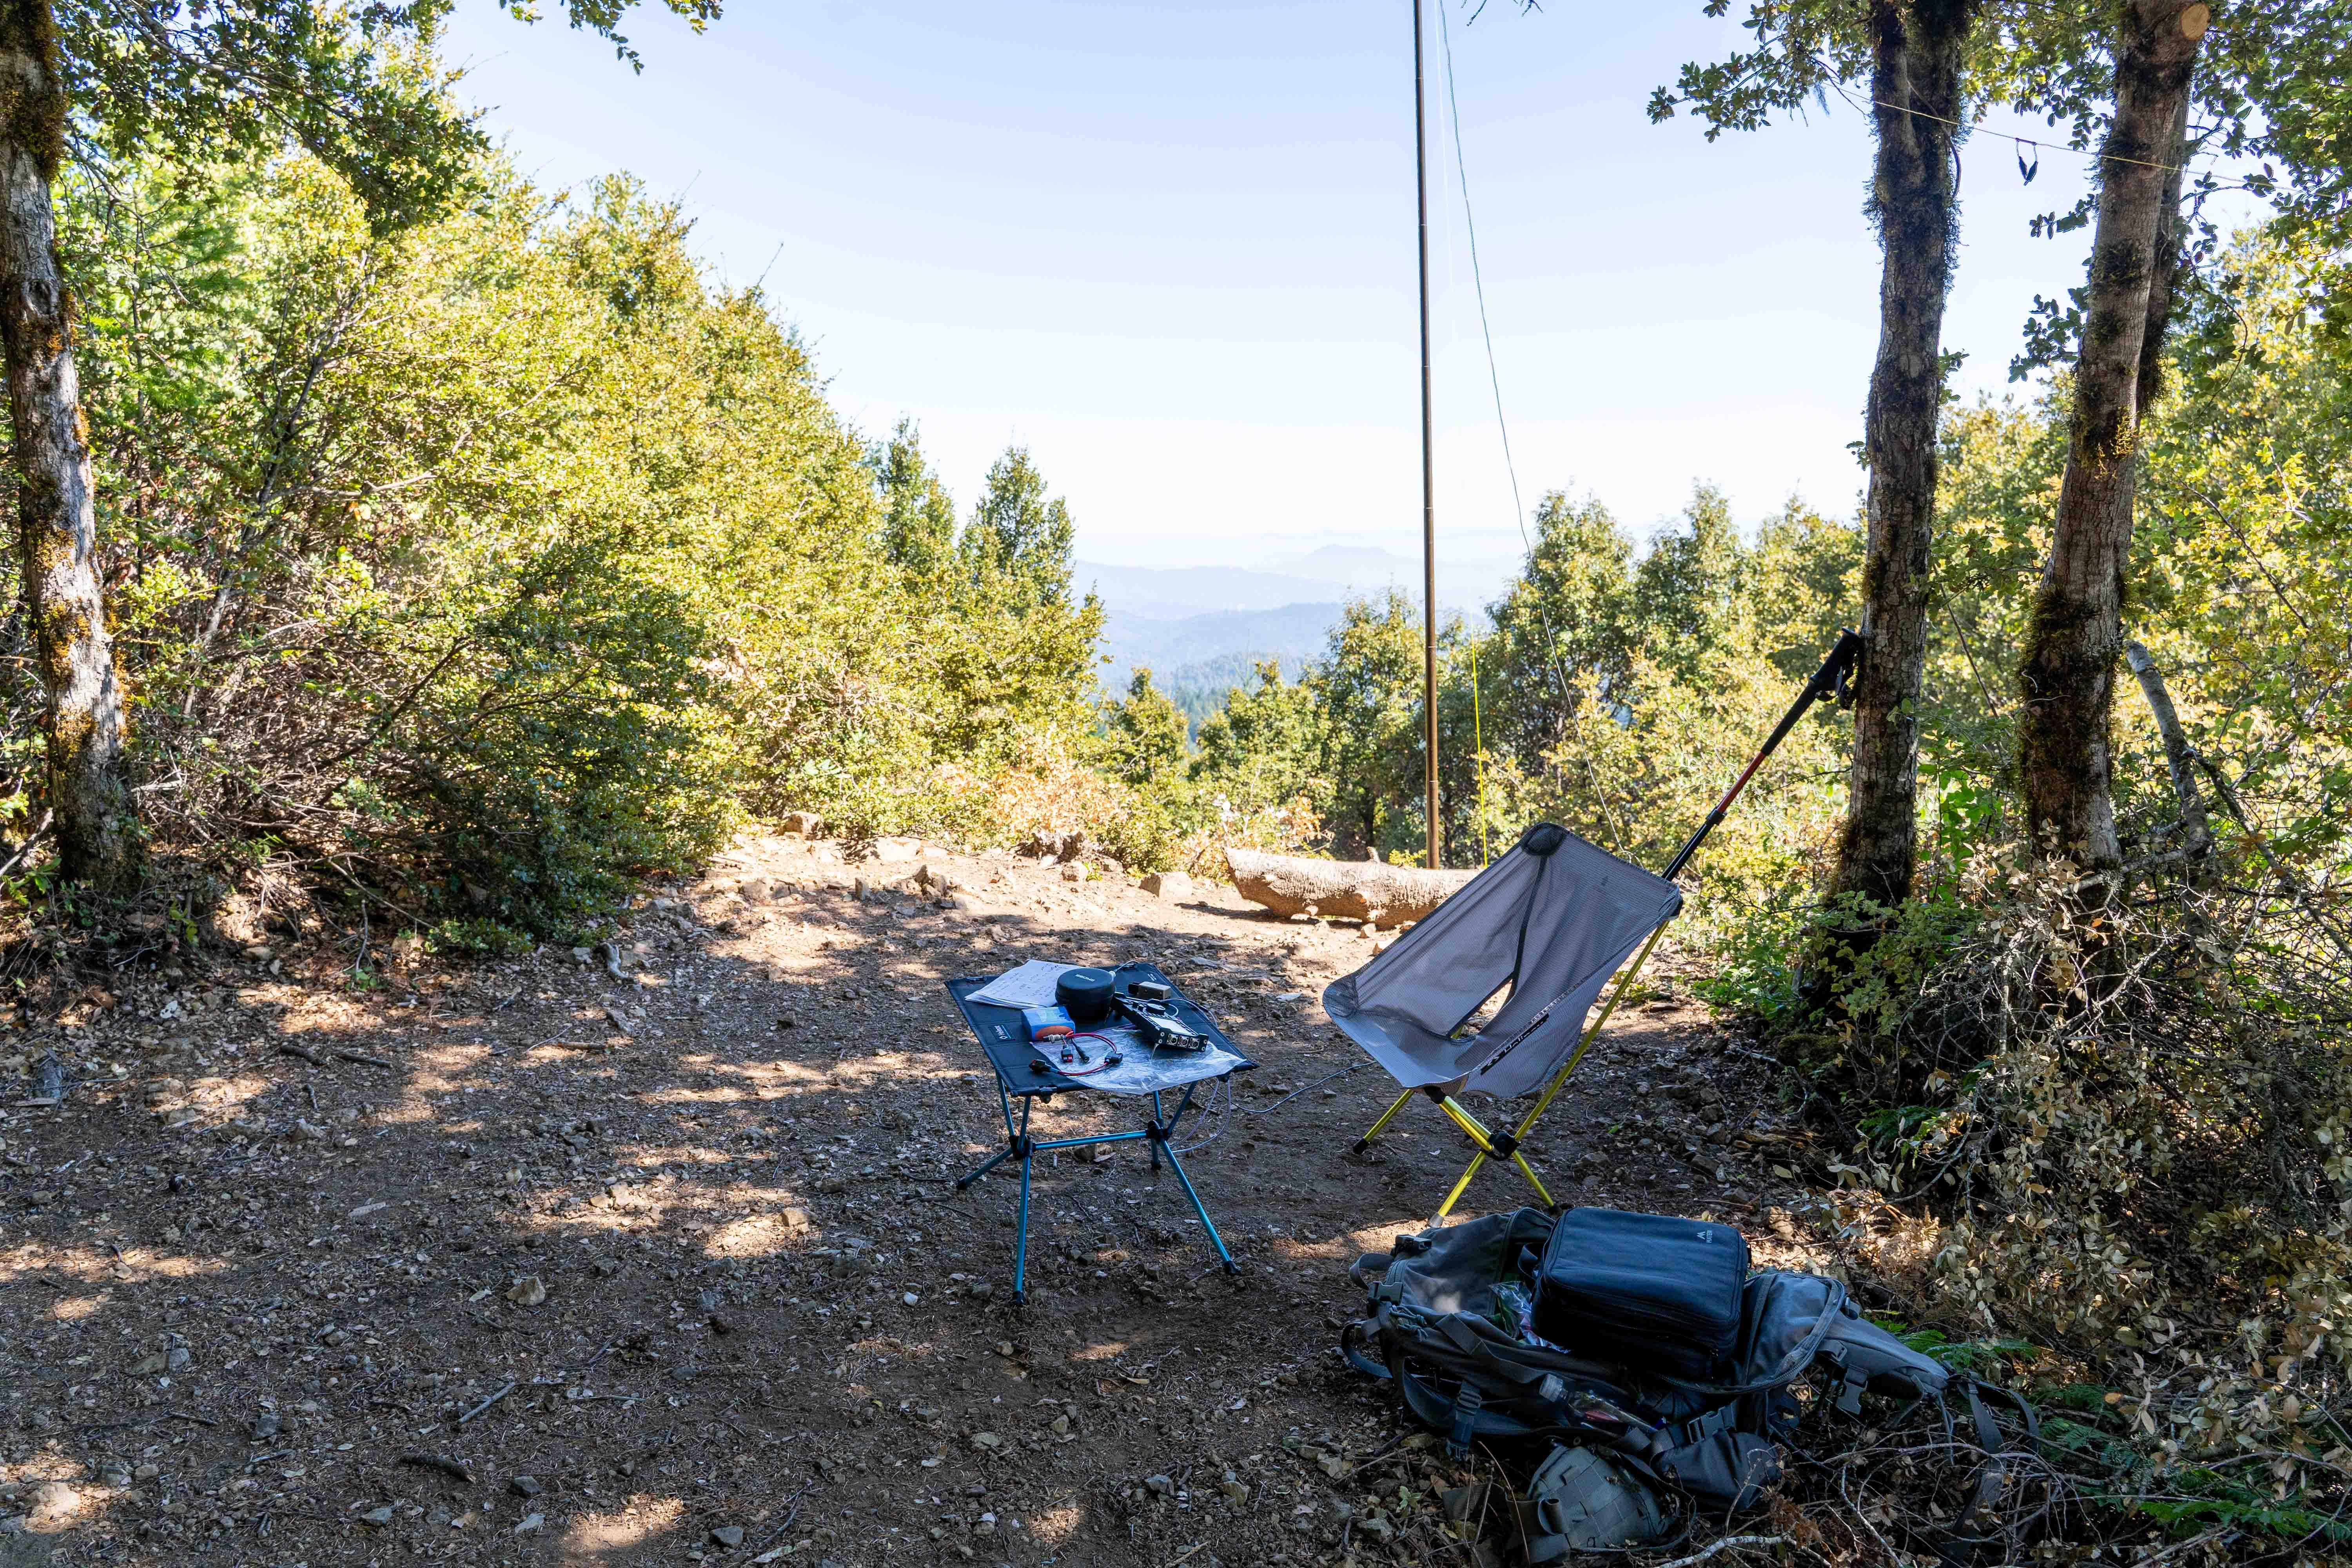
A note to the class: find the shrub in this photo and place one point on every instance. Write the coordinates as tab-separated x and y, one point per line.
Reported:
2123	1122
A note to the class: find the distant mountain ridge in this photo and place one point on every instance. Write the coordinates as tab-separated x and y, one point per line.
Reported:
1201	630
1349	562
1168	594
1293	633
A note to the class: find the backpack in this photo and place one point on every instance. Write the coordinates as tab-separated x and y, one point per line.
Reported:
1450	1325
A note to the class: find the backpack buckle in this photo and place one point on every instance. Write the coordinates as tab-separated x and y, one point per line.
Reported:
1699	1428
1468	1403
1850	1384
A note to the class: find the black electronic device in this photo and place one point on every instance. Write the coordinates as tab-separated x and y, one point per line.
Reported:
1084	995
1157	1020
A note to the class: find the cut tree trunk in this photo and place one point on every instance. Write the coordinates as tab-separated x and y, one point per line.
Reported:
1386	896
2067	675
57	520
1916	47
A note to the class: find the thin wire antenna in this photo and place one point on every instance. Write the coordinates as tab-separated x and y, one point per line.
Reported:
761	281
1502	425
2086	155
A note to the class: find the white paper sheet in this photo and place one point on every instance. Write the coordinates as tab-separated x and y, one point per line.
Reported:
1030	985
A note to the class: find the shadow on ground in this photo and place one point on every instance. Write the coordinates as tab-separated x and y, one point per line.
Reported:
530	1263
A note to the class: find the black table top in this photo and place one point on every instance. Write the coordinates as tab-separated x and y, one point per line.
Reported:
1001	1034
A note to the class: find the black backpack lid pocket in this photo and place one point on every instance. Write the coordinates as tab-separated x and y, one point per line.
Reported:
1650	1291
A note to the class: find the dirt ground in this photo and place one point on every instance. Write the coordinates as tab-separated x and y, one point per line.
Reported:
669	1267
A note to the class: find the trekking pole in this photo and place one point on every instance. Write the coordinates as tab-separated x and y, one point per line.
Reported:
1833	681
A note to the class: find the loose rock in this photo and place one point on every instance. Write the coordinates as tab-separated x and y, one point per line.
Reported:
1169	884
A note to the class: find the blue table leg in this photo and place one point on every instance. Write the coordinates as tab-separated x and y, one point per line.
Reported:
997	1159
1201	1209
1016	1138
1017	1143
1155	1133
1020	1232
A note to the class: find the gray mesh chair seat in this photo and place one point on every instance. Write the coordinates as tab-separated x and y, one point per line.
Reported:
1551	921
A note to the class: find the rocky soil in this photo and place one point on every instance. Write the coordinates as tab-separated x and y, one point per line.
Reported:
649	1253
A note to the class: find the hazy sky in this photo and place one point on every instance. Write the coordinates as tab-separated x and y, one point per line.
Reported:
1169	247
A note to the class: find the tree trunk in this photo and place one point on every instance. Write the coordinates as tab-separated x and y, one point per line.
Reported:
57	516
1385	895
2067	675
1918	47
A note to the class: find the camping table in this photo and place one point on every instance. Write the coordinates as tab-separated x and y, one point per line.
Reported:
1144	1074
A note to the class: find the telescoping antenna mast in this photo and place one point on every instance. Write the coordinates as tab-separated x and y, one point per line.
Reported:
1428	459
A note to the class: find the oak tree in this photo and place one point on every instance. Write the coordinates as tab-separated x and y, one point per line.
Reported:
2267	95
203	79
2075	635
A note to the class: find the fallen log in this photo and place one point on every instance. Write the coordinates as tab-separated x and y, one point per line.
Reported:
1387	896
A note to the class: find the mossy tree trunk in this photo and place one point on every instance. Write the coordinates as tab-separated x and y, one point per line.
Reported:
2067	674
1916	47
88	795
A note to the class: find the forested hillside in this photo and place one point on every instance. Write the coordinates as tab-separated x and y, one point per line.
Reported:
474	568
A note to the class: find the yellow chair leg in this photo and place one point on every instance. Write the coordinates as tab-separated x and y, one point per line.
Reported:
1529	1172
1459	1187
1382	1125
1468	1123
1485	1140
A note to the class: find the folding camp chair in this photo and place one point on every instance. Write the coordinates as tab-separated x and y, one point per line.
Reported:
1549	921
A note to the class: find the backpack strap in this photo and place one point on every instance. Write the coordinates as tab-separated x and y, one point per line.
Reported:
1960	1546
1352	1339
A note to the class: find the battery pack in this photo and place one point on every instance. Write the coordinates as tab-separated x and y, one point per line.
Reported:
1048	1023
